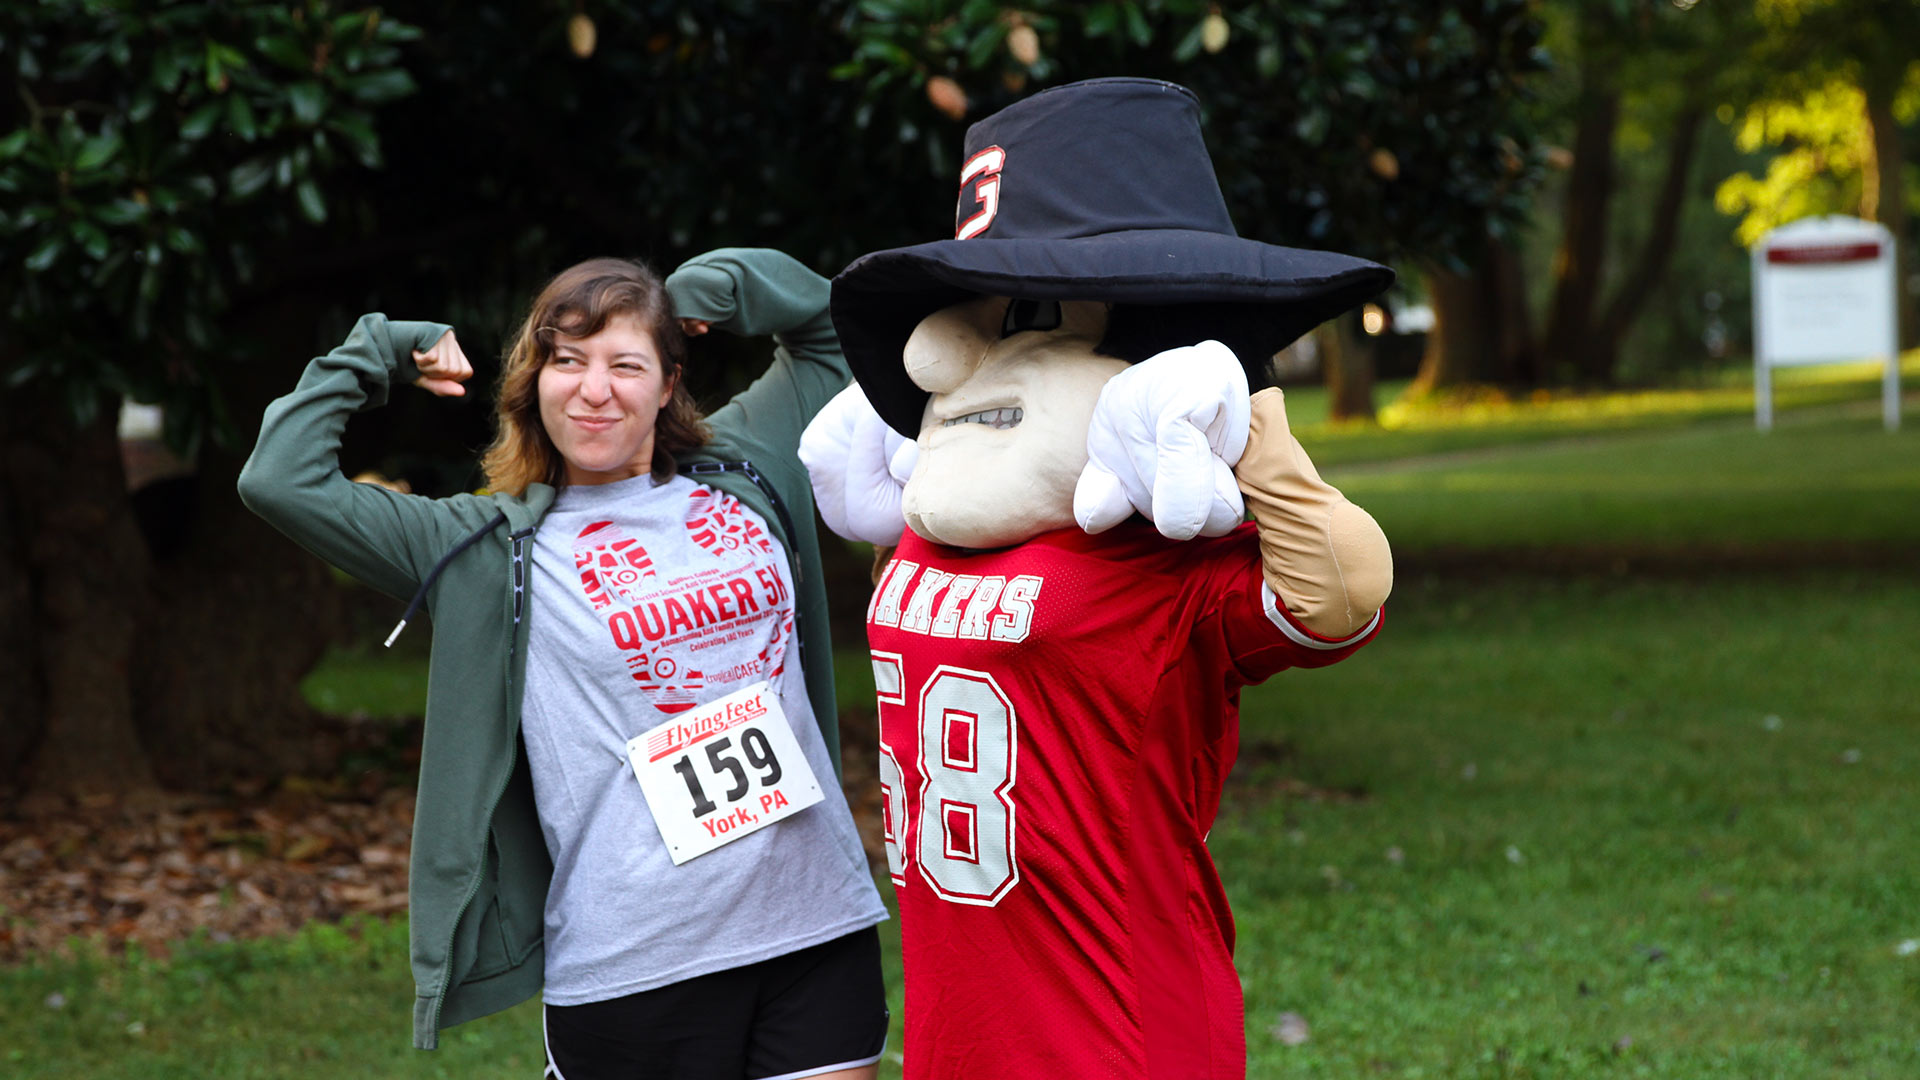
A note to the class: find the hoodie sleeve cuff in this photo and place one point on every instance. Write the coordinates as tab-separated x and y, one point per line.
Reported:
405	336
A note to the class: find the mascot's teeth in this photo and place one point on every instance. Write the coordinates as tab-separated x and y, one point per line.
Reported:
996	418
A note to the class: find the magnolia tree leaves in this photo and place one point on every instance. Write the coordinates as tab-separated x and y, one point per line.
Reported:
1385	130
158	148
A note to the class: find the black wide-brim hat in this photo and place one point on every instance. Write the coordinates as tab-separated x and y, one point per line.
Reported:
1097	190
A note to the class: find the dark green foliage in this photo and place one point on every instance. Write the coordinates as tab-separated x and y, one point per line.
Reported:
200	183
1383	130
685	128
175	159
1807	41
161	150
190	214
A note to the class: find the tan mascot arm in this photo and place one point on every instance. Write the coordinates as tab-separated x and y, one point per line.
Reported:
1178	439
1324	558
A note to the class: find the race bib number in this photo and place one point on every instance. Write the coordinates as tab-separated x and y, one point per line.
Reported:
714	775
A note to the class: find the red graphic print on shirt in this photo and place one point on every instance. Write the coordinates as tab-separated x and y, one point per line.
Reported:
613	568
661	625
715	522
610	562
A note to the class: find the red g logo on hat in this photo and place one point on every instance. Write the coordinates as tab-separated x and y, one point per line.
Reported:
984	167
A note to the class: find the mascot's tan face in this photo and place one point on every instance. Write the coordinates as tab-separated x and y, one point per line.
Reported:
1004	438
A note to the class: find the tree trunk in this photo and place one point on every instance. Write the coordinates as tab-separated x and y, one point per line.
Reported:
1516	357
1655	255
1346	360
1459	345
243	614
88	575
1884	198
1580	264
1481	331
120	665
21	695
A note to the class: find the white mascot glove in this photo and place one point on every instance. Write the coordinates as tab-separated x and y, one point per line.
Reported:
1165	436
858	466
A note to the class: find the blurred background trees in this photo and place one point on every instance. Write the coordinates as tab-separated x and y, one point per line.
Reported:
1653	68
1830	89
1397	132
165	175
197	197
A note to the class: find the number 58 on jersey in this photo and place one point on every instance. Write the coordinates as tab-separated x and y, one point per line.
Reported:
720	772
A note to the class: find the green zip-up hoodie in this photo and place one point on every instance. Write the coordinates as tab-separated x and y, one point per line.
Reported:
479	874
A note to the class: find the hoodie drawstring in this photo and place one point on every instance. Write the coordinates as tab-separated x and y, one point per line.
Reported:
420	594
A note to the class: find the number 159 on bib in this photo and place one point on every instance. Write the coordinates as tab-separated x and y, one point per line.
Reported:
722	771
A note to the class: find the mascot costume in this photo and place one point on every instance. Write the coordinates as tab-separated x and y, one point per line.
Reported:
1054	405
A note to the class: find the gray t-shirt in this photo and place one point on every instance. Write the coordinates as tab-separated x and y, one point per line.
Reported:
647	601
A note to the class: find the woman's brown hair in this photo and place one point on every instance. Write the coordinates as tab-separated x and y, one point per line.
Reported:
579	302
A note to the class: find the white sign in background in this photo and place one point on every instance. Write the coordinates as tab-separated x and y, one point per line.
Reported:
1823	292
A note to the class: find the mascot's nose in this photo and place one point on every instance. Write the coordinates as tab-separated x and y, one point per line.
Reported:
949	344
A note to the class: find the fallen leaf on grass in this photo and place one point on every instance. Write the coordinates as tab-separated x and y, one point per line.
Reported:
358	895
1907	947
127	893
307	847
1291	1030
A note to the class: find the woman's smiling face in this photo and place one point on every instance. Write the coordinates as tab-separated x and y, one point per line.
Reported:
599	398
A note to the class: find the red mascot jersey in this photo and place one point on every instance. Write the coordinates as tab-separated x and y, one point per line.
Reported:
1056	721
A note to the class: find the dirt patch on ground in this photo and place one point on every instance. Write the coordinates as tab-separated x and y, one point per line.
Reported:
254	861
257	861
237	866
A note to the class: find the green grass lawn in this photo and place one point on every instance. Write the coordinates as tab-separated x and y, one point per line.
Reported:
1572	825
1606	827
1629	828
369	680
1479	419
1833	480
332	1001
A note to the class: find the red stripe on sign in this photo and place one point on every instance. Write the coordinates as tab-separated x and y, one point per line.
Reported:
1826	253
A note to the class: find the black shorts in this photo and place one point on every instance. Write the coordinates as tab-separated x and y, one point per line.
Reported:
816	1010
